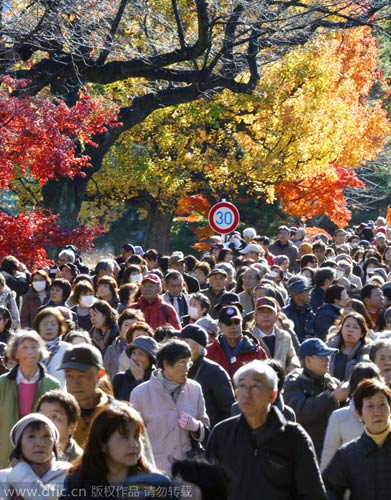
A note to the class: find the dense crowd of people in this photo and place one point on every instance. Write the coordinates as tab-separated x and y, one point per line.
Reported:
255	370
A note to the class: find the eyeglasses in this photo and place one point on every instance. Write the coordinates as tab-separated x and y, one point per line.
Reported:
184	364
252	388
234	321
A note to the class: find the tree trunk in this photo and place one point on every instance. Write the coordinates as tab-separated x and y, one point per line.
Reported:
64	198
157	235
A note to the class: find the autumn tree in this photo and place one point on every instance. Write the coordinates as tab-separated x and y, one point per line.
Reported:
174	51
40	140
298	137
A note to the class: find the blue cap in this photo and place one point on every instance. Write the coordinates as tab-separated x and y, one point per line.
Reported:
315	347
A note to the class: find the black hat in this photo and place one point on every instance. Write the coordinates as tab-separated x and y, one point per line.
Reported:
229	299
72	267
128	247
82	357
194	332
146	344
229	312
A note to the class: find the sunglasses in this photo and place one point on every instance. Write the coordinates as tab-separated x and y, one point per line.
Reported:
234	321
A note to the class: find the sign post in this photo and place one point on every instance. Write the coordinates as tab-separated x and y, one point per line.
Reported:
223	217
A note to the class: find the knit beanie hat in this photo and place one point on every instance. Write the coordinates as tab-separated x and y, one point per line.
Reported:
20	426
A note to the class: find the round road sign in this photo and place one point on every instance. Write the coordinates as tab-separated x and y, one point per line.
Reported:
223	217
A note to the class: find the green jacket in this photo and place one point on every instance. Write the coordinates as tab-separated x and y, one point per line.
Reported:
9	412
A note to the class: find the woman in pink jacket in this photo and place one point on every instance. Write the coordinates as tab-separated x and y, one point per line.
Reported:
172	406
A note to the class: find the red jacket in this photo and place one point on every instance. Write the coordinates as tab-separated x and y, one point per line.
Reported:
249	350
158	313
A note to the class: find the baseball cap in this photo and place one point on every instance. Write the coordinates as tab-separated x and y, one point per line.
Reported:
153	278
218	270
297	285
229	312
229	299
380	235
266	302
82	357
250	248
194	332
315	347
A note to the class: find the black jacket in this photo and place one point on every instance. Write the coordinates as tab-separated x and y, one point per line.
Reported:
325	317
124	383
275	462
311	397
362	467
216	388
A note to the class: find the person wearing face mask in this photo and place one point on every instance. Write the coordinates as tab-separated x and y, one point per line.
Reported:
37	295
83	295
214	380
199	306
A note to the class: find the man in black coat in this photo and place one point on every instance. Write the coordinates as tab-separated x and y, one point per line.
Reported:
265	455
214	380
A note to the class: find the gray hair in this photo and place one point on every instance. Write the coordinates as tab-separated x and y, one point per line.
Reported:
69	254
260	368
378	344
22	335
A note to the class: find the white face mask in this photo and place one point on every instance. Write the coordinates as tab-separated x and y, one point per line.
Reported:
87	300
340	274
39	286
136	277
193	312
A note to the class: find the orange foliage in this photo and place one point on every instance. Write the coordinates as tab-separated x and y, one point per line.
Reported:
321	195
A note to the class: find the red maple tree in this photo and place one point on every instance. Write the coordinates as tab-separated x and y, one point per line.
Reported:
44	139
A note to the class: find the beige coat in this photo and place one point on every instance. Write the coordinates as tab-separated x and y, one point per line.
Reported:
283	351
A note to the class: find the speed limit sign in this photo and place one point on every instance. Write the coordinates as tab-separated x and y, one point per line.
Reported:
223	217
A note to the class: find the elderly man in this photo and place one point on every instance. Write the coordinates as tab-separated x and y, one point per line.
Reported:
216	288
83	365
265	455
298	310
233	347
283	246
276	342
251	278
156	312
312	392
175	293
214	380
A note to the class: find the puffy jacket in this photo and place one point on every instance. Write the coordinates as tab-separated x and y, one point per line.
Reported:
311	397
249	350
158	313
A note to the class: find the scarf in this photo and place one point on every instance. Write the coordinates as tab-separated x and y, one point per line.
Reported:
52	347
379	438
39	470
170	387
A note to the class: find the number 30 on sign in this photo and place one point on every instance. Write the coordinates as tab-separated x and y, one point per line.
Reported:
223	217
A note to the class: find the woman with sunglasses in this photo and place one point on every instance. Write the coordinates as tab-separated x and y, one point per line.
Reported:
172	406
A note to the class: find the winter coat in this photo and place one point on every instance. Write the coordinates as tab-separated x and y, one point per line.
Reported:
8	300
9	411
32	486
356	355
343	426
124	383
158	313
311	397
249	350
288	249
111	357
161	413
325	317
362	467
54	361
276	461
30	305
303	319
283	350
216	388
